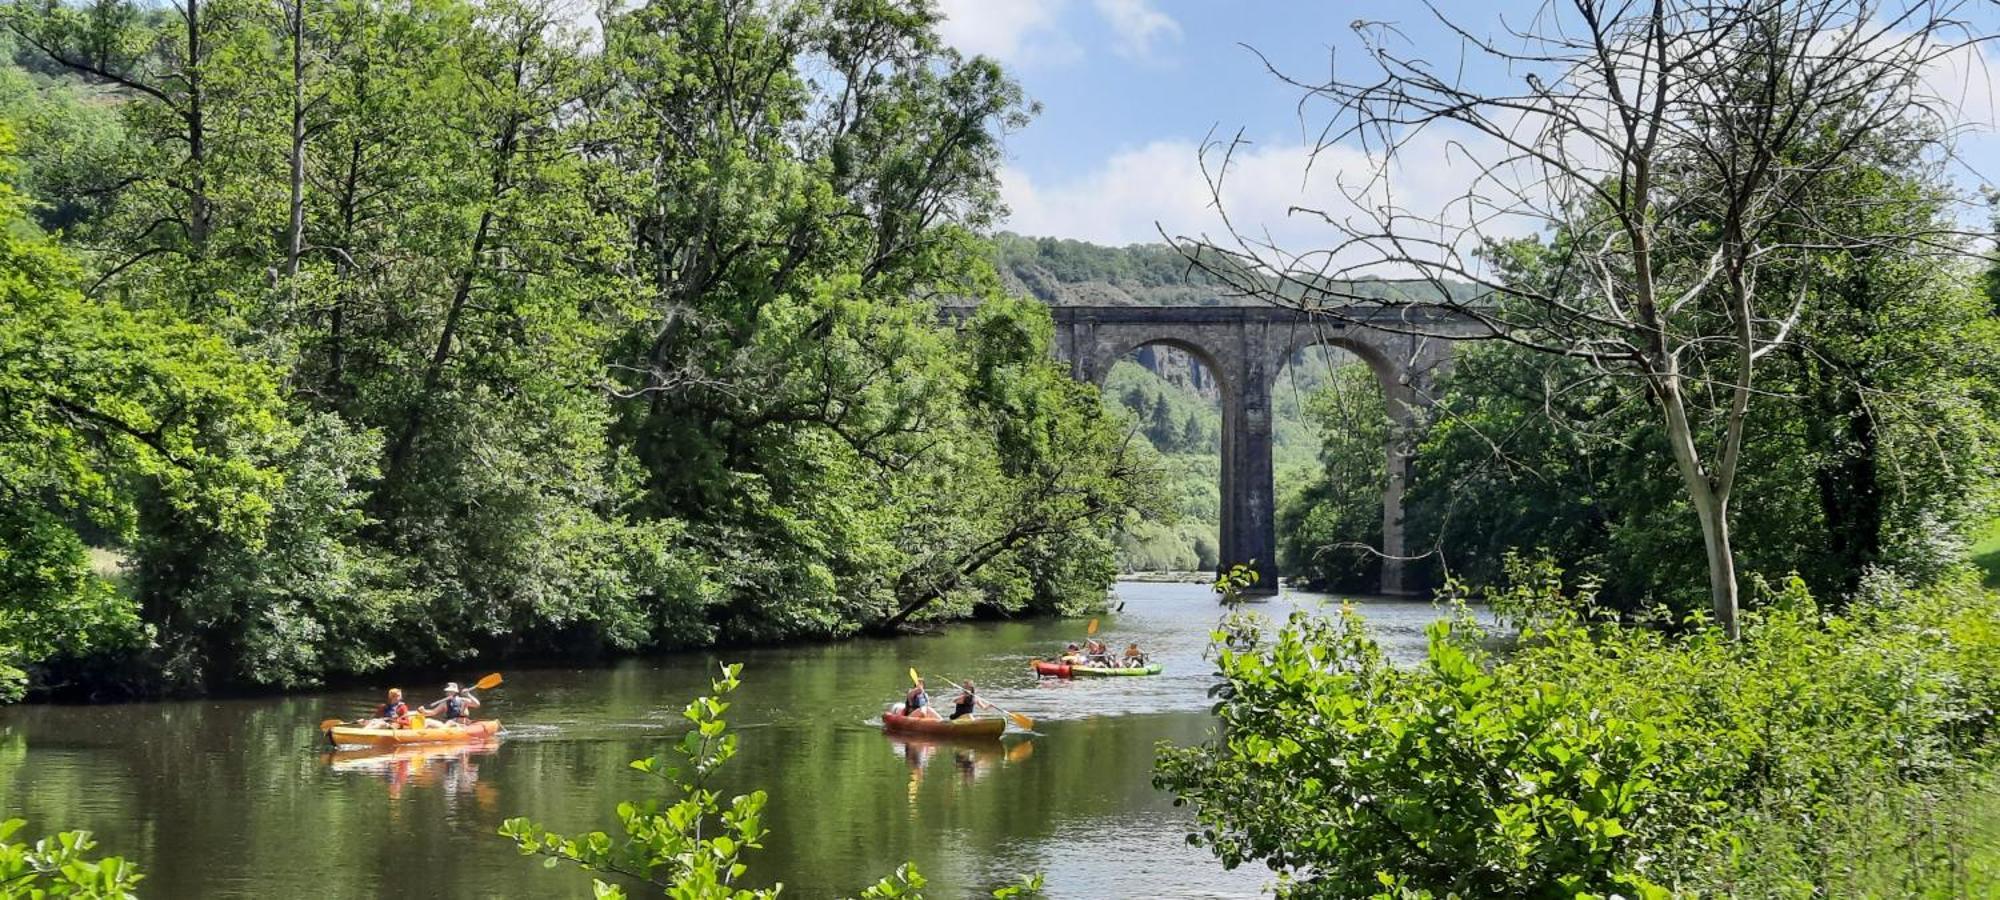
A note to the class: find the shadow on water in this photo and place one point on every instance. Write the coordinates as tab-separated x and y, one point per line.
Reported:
236	798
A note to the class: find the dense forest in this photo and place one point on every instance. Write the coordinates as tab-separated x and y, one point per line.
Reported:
338	336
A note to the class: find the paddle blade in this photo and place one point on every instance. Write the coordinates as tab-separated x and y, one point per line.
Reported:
1024	722
913	675
490	681
329	724
1090	629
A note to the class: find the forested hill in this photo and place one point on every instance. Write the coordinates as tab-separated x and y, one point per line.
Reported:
1064	272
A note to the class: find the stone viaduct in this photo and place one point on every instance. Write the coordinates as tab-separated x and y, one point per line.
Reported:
1245	347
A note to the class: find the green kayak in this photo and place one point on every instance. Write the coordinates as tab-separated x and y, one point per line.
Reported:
1078	671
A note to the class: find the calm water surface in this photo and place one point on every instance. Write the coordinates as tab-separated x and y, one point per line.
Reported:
235	798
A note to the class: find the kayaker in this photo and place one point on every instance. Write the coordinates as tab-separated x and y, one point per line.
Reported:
1098	653
392	714
917	703
1073	655
1133	657
962	705
455	709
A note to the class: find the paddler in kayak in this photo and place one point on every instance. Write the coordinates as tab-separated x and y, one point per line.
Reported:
1073	655
455	709
961	706
393	713
916	704
1134	657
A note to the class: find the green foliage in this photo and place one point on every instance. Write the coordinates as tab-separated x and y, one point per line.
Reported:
1230	584
1328	526
1594	759
414	332
105	404
59	867
692	847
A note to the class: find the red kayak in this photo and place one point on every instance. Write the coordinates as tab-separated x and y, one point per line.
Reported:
1048	669
960	728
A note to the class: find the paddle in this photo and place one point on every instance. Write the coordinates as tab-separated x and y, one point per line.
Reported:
1026	723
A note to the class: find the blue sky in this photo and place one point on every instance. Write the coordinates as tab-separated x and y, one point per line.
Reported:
1129	89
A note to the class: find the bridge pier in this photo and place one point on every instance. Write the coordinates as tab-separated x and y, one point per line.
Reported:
1249	533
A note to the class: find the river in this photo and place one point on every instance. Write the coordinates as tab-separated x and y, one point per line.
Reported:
236	798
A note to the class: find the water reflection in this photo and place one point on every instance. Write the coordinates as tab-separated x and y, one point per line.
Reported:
233	798
452	769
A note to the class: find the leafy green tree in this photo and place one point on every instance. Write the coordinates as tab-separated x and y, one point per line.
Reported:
106	405
1327	526
576	346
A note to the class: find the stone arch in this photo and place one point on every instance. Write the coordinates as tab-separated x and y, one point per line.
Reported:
1245	347
1121	344
1400	371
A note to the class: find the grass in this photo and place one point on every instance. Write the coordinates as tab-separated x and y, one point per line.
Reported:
1986	552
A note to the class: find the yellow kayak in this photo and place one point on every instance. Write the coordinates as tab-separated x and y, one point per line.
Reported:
392	737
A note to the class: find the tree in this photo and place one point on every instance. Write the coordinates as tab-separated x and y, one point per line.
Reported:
106	406
1676	154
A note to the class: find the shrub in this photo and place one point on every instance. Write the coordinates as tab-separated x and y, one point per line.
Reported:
58	867
1593	758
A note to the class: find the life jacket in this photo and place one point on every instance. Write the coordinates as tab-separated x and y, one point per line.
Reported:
454	708
915	700
394	712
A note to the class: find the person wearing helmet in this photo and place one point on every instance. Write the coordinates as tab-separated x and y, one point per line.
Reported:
455	709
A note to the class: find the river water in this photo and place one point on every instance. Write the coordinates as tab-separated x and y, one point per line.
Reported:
236	797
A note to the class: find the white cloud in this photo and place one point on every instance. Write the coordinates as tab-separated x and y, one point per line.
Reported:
1135	194
1137	25
1033	32
1017	32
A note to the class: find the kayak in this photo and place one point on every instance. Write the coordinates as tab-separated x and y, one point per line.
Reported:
391	737
964	728
1065	670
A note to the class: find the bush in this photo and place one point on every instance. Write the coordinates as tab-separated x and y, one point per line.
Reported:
1599	759
58	867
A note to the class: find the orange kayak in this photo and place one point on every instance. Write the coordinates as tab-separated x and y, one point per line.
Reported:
963	728
392	737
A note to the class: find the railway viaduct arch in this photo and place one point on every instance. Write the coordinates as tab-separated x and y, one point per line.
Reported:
1245	347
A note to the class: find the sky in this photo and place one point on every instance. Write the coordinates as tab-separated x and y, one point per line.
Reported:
1130	91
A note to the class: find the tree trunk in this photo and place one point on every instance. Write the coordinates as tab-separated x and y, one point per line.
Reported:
1714	515
1710	504
296	228
198	224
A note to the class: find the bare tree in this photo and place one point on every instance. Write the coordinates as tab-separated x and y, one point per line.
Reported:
1664	155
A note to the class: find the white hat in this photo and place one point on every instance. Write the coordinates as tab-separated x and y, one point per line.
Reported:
451	688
